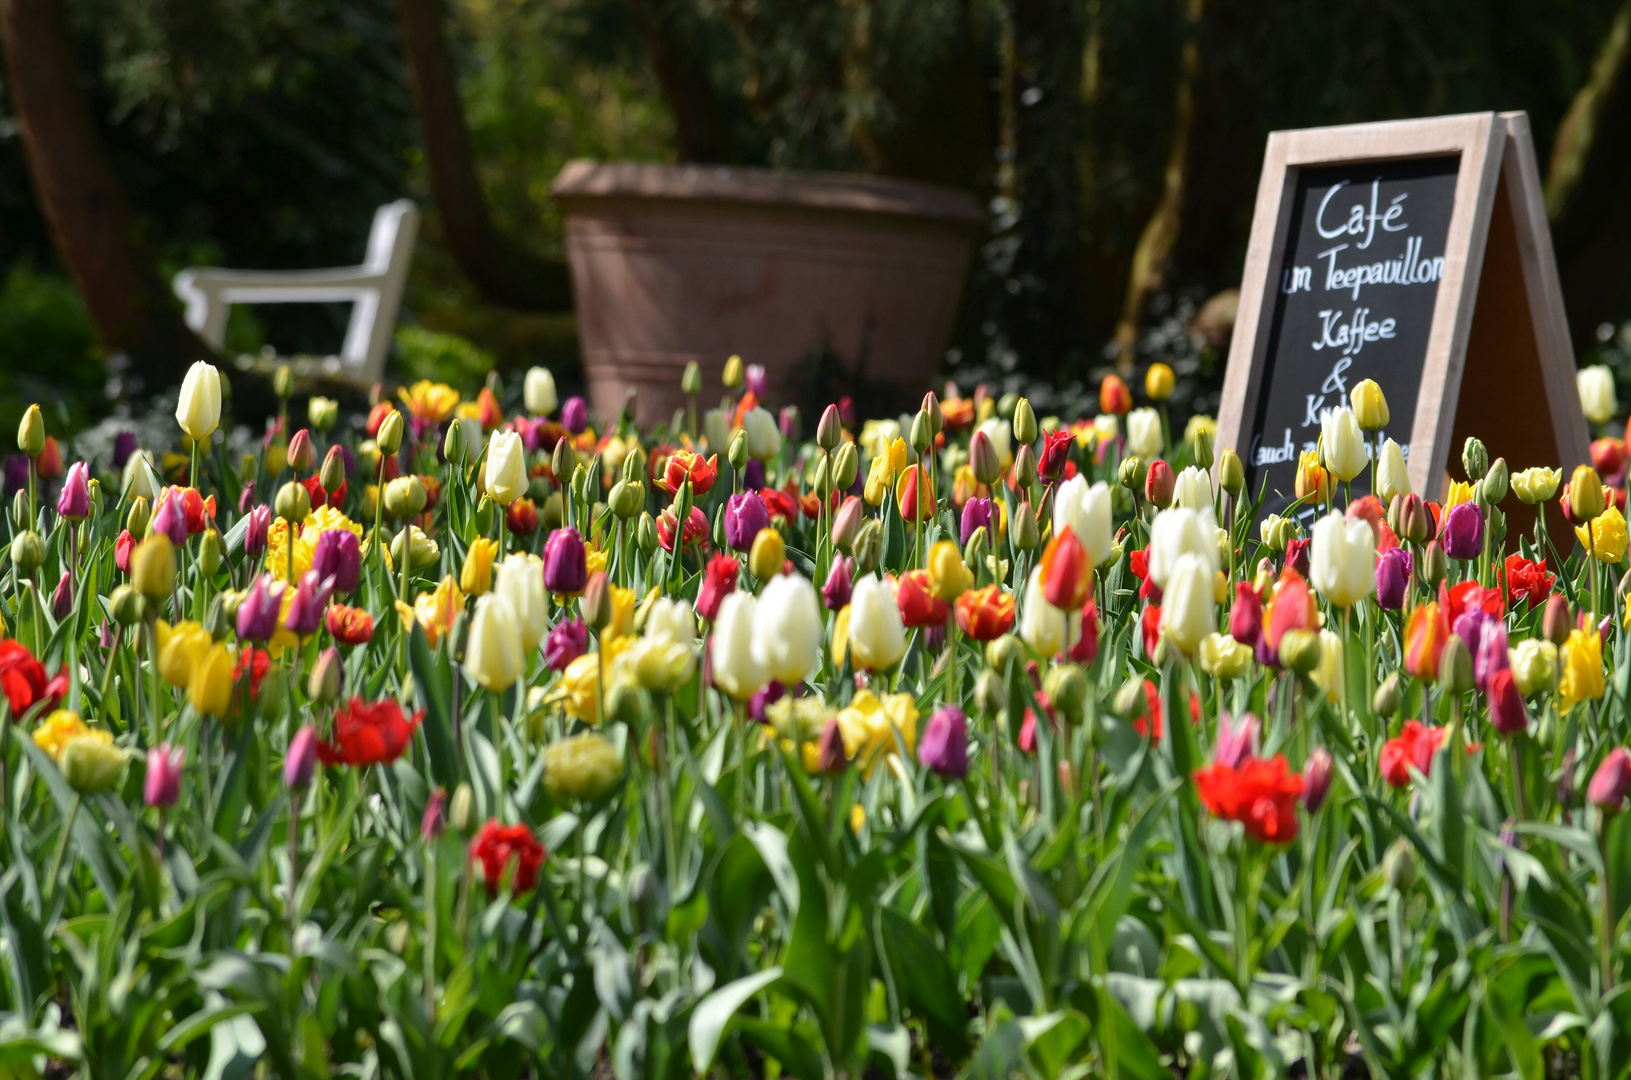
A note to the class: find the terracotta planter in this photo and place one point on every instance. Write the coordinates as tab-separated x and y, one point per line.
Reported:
674	263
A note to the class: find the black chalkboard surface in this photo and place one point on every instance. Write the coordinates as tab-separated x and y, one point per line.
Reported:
1354	298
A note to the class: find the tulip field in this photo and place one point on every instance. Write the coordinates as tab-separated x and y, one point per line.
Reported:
474	735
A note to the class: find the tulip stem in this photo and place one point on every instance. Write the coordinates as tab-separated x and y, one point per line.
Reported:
1514	753
294	863
1605	895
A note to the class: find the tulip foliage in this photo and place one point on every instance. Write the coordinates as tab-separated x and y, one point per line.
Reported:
468	737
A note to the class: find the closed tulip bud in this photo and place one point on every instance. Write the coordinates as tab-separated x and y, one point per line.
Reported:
922	437
332	475
1132	474
1611	781
1369	405
404	497
690	379
506	469
990	692
1474	459
127	605
1433	564
645	534
1131	703
1003	651
152	566
732	376
19	507
596	604
1201	448
31	432
626	499
322	412
983	459
452	444
389	436
1399	866
1231	473
209	552
1024	422
931	408
493	655
1597	396
1300	651
1159	483
283	382
829	429
1494	485
1067	689
299	454
563	462
1277	532
91	763
1586	499
324	682
767	555
62	599
300	763
461	808
1024	533
1455	668
846	466
1556	622
737	455
949	576
581	488
1316	779
1158	382
847	522
161	787
1416	520
977	548
1025	467
868	546
1342	444
27	552
830	757
293	502
1387	697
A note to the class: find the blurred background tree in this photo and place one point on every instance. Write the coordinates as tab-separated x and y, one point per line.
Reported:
1117	143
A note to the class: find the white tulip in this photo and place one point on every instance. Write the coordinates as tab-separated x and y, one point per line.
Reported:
1181	531
506	474
538	391
1041	625
198	409
1597	395
1344	444
1342	559
1086	510
787	629
493	655
877	637
764	437
1002	441
716	428
1392	475
1144	434
520	581
735	663
1188	608
1193	489
665	655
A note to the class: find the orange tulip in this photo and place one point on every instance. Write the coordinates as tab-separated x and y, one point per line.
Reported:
1067	578
1114	397
985	614
1313	482
1292	608
914	493
917	603
1425	636
683	465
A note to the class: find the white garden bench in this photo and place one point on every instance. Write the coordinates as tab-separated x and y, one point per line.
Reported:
374	289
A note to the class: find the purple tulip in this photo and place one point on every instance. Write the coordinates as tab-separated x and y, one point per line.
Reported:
16	474
944	746
1463	535
162	787
170	520
830	755
1470	626
260	522
753	476
976	514
566	563
766	696
1246	617
258	611
788	421
1267	656
1491	656
306	609
745	516
933	638
75	501
62	601
124	444
434	819
1393	578
758	385
839	585
1236	741
246	497
301	763
568	640
1316	779
575	415
338	555
1611	780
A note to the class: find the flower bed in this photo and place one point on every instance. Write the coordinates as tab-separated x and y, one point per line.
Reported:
472	740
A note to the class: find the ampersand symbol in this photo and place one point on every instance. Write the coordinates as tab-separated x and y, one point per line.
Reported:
1334	382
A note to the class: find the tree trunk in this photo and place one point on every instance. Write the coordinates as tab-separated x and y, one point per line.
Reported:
83	202
1160	234
505	272
700	131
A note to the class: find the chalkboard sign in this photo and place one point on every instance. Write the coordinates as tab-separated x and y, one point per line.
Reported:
1408	252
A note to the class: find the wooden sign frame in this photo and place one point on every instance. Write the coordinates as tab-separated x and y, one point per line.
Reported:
1499	305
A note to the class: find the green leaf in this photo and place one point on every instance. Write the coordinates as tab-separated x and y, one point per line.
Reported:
713	1014
930	985
432	693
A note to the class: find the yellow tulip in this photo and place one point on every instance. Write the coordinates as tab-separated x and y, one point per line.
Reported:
180	648
1607	542
435	611
880	481
55	730
477	575
1581	659
153	567
768	553
949	576
1369	405
870	725
210	689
